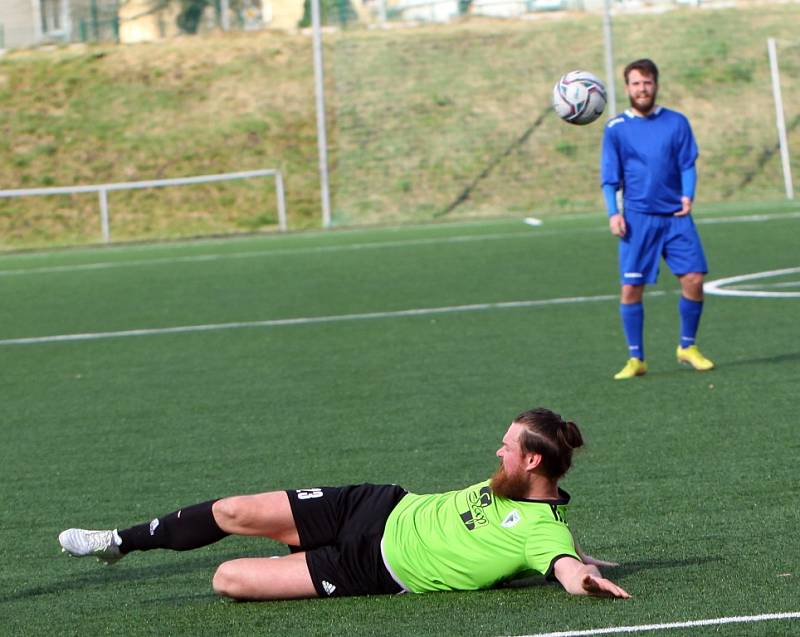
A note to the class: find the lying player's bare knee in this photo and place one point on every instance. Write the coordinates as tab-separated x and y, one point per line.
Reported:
226	583
265	514
233	514
264	578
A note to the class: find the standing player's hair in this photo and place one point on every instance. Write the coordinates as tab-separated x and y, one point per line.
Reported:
645	66
546	433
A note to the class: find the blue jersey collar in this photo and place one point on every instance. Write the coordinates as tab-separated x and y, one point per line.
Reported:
656	112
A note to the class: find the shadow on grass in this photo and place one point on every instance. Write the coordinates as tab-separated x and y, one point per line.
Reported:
106	576
789	357
624	570
103	575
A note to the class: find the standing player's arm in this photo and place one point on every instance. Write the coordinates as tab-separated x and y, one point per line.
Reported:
688	185
616	222
611	178
578	578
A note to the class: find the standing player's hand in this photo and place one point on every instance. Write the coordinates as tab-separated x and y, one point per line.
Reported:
687	207
617	224
602	587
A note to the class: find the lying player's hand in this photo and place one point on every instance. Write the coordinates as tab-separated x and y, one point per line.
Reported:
588	559
602	587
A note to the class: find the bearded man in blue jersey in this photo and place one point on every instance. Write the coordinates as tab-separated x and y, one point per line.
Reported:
649	153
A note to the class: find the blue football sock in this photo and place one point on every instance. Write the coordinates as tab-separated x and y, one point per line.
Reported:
690	312
632	315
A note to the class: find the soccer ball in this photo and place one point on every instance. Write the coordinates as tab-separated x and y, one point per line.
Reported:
579	97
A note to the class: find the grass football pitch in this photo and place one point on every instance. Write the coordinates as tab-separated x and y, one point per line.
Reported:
139	379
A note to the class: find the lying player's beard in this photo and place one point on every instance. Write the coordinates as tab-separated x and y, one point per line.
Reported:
513	487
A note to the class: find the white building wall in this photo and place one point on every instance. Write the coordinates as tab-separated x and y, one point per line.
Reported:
20	22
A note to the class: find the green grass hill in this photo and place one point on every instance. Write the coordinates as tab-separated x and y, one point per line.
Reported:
429	123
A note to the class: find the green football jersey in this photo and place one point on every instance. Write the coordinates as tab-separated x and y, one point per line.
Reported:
471	539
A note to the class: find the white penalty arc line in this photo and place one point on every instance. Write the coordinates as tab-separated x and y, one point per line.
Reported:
718	286
310	320
615	630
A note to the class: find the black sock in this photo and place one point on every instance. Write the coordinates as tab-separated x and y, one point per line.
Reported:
183	530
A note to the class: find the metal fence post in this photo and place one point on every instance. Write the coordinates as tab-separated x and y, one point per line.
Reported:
608	37
281	201
322	139
103	195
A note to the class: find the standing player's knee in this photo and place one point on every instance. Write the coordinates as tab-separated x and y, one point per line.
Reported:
692	284
632	293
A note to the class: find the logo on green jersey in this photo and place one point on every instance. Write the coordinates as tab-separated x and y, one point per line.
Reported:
477	501
512	519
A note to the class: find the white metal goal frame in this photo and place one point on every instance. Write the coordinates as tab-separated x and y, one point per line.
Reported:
103	189
780	118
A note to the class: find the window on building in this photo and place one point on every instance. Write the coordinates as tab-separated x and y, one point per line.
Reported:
51	15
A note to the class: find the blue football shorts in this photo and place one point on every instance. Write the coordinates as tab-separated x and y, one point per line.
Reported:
650	237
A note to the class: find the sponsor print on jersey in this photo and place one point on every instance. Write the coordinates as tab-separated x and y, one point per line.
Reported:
477	501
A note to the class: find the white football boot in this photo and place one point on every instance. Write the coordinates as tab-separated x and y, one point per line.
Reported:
104	545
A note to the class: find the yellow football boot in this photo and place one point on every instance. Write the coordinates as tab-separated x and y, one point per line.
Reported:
692	356
634	367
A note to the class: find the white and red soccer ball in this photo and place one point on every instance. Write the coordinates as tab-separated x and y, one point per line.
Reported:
579	97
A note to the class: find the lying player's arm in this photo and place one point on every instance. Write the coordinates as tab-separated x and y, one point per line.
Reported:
578	578
588	559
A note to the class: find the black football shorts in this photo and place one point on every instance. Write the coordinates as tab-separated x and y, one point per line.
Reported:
340	530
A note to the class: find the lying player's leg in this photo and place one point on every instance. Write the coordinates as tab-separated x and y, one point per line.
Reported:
263	578
265	514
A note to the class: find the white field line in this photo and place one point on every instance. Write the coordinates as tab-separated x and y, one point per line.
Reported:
719	621
719	288
199	258
747	218
310	320
352	247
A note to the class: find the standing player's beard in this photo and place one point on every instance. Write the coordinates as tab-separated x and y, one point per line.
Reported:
644	108
513	487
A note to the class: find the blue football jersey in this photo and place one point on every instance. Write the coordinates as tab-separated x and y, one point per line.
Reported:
645	156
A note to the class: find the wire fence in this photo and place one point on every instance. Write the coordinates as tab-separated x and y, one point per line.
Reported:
436	111
419	138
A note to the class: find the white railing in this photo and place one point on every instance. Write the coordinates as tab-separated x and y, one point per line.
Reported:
103	189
